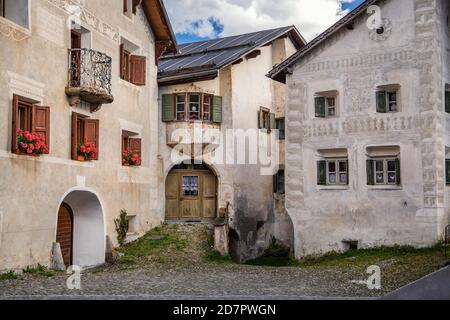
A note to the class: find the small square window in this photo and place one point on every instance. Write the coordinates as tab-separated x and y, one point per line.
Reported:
190	187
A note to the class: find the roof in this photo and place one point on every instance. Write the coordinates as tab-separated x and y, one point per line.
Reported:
202	60
159	21
278	73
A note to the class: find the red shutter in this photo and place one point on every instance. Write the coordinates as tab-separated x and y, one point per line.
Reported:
122	62
40	122
74	146
135	146
138	70
15	125
91	133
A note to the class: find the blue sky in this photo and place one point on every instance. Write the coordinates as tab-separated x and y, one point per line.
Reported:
196	20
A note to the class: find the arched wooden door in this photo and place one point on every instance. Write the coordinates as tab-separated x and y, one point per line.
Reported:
191	193
64	233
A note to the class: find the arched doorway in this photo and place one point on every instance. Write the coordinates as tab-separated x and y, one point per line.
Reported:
191	193
82	212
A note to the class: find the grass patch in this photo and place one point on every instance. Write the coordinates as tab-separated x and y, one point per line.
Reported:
159	243
214	256
39	270
8	276
373	255
275	256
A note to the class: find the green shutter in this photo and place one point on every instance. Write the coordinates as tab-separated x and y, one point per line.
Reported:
260	120
370	172
348	174
321	173
217	115
381	102
398	171
273	122
447	101
275	183
447	171
168	108
320	107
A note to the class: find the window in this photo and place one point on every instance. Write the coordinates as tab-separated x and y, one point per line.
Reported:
131	149
15	11
190	186
447	172
27	115
191	107
387	98
84	131
325	105
130	7
278	182
332	172
383	171
133	68
281	128
447	101
266	120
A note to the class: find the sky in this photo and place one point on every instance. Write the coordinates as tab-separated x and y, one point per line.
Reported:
196	20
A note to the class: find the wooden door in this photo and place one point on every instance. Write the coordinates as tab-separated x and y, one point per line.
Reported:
172	196
75	58
209	196
64	233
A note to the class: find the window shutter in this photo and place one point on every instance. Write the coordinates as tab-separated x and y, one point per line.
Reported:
74	136
260	120
398	171
91	134
15	126
122	62
370	172
40	123
273	122
320	107
135	146
381	102
447	171
447	101
217	115
138	70
125	6
168	108
275	183
321	173
348	174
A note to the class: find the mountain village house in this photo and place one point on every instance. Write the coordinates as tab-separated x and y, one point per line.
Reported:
367	129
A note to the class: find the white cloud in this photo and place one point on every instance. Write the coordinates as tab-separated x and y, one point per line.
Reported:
242	16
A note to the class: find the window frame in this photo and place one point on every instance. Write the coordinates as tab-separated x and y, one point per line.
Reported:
26	28
79	120
338	172
328	107
187	104
385	171
388	90
126	138
183	195
281	131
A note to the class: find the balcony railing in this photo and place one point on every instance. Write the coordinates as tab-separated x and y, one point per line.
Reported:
89	77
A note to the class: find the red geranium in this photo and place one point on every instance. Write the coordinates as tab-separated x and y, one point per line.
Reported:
130	158
31	142
87	151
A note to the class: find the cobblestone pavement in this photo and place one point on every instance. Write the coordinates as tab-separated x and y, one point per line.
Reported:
204	282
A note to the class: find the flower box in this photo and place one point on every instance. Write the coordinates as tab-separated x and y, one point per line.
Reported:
30	144
130	159
86	152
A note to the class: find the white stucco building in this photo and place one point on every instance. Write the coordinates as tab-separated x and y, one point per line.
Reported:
367	129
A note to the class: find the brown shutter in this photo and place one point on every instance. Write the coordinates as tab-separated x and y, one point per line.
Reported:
138	70
125	6
15	125
74	145
91	134
40	123
136	146
122	62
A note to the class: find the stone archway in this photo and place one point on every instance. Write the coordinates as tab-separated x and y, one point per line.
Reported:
88	232
191	193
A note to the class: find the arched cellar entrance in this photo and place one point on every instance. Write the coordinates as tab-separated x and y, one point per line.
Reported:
191	193
80	229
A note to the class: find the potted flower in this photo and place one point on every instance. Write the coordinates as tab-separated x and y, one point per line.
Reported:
130	159
86	152
31	143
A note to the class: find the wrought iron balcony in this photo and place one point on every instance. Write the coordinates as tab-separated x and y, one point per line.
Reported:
89	78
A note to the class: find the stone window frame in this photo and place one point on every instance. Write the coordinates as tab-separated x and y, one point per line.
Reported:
383	153
325	158
327	96
389	90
